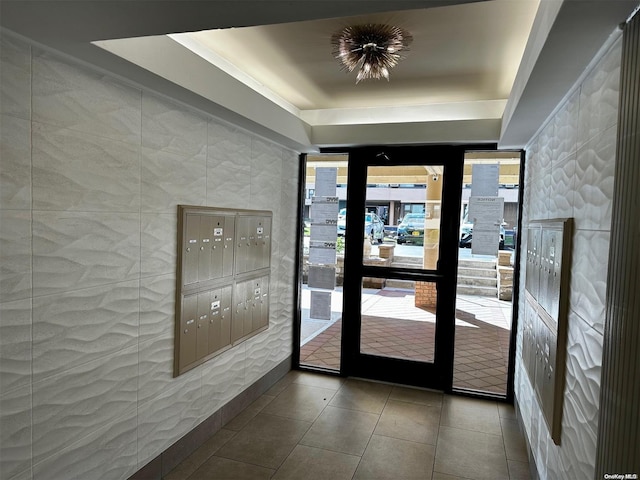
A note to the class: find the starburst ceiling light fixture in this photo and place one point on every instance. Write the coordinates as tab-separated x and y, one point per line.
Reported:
373	49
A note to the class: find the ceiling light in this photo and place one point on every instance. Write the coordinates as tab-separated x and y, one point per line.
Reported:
372	49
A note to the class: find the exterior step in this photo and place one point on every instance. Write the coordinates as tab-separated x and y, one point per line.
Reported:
394	283
405	265
477	272
481	291
463	263
408	260
478	281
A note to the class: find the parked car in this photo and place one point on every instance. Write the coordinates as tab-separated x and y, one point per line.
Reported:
373	226
411	229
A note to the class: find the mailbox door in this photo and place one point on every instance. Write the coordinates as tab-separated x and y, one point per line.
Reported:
215	314
533	265
229	241
256	286
239	312
191	249
226	311
556	275
548	385
264	243
264	303
204	249
250	305
188	329
202	331
217	246
243	244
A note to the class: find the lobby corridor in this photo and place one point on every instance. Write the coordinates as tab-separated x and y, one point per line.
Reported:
317	427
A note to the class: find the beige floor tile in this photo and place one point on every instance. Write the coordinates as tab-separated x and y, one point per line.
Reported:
392	459
514	444
506	410
444	476
409	421
416	395
266	440
194	461
311	463
471	414
240	421
518	470
319	380
360	395
217	468
302	402
470	454
341	430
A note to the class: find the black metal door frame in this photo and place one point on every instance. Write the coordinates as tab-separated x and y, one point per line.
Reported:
439	374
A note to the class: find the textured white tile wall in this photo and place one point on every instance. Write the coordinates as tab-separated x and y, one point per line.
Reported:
569	173
91	172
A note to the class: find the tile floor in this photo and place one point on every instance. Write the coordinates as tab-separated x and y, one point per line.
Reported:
483	328
316	427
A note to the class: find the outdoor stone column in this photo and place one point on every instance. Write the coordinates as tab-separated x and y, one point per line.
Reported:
618	449
426	293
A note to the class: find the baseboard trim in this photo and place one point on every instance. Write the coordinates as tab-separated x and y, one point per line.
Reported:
191	441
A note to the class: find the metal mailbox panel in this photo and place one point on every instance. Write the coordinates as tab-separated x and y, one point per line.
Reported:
217	304
190	254
188	330
202	332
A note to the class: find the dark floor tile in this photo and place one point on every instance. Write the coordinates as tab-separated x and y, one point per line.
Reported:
471	414
409	421
470	454
302	402
266	440
392	459
311	463
360	395
200	456
518	470
217	468
341	430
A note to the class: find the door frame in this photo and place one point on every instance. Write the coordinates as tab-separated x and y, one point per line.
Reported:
439	374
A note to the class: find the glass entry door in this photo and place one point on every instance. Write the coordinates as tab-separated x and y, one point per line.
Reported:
400	276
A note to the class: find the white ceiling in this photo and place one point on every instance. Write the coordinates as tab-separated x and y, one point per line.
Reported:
477	71
460	53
